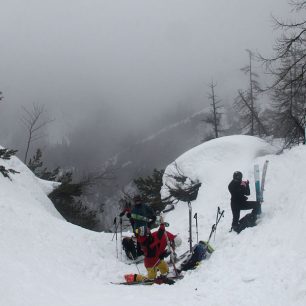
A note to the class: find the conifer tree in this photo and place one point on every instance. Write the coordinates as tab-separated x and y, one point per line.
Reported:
35	164
150	187
6	154
67	197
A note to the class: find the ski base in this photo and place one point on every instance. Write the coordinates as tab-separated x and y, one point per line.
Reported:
148	282
133	283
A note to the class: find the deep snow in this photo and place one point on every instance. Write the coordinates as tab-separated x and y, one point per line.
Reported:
47	261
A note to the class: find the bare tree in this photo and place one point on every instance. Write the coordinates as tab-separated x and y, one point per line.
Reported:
254	114
215	104
288	67
245	101
288	105
293	38
33	122
214	116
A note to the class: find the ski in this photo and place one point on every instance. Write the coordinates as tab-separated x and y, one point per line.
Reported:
140	218
133	283
263	179
257	182
159	281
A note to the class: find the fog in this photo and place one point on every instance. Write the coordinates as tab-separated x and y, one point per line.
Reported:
125	62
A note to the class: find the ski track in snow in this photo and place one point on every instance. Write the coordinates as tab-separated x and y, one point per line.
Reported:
47	261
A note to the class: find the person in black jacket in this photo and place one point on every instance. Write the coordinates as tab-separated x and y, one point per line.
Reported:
141	214
239	190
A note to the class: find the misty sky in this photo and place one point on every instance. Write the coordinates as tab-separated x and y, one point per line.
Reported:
129	59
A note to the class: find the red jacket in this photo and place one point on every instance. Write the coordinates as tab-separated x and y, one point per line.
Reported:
154	245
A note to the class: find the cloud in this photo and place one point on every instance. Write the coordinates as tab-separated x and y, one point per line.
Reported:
139	58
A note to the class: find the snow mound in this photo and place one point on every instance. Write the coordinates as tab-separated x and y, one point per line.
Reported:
47	261
264	265
43	258
25	187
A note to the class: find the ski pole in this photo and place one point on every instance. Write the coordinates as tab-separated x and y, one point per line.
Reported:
115	220
170	249
121	237
114	223
221	214
211	232
214	226
190	226
218	212
196	218
137	268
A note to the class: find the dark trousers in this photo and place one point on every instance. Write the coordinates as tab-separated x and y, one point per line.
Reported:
256	206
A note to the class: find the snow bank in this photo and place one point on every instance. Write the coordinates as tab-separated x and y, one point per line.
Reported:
47	261
264	265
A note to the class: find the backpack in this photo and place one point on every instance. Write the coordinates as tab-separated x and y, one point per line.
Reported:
131	248
249	220
198	254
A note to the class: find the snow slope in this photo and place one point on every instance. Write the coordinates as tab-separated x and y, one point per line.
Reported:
47	261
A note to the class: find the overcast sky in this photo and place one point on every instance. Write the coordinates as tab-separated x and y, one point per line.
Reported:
133	59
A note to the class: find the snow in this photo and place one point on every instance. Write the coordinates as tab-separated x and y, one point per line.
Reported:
47	261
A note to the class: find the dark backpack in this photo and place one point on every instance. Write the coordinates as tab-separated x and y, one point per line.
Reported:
249	220
131	248
198	254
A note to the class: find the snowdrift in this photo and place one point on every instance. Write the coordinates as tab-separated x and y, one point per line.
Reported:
47	261
264	265
43	259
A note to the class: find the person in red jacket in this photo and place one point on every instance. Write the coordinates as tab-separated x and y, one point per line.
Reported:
154	247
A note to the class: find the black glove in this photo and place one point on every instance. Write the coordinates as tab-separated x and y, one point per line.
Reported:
160	233
164	254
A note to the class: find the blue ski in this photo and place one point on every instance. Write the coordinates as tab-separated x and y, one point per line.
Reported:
257	183
263	179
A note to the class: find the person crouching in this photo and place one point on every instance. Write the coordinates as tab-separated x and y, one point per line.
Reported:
154	247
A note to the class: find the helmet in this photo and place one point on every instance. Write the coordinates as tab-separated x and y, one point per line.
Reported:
237	176
137	199
177	241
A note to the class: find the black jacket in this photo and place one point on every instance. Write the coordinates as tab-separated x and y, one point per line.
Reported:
142	215
239	191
